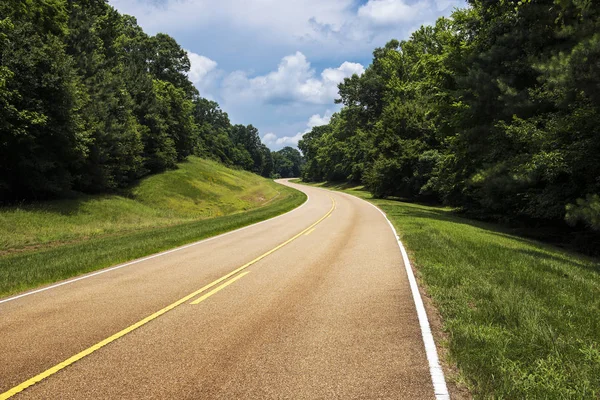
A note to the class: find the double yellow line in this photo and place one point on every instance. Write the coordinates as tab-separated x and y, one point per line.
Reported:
218	288
97	346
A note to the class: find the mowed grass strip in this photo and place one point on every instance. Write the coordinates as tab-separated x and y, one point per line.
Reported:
26	270
522	318
32	267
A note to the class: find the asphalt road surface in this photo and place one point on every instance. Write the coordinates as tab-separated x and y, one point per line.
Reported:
314	304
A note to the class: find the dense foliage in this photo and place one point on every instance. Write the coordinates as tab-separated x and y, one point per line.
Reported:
89	102
495	110
287	162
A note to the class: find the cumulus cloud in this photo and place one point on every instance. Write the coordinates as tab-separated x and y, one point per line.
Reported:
325	89
274	27
275	19
386	12
273	141
200	66
205	75
293	81
269	139
318	120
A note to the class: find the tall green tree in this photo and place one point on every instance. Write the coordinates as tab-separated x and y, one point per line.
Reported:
168	62
287	163
42	143
114	158
248	138
159	152
213	131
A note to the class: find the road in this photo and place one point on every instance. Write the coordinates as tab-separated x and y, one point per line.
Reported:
313	304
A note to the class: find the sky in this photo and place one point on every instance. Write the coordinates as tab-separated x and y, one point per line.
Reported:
276	64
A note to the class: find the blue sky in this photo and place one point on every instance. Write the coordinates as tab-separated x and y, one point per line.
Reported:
276	63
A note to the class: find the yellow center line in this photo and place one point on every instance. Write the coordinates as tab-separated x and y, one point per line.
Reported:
309	232
53	370
223	286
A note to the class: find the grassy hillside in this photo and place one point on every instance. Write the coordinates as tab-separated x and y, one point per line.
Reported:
45	242
522	318
199	189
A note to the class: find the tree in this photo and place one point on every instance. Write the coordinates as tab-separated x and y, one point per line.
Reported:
248	138
310	144
42	143
106	111
168	62
177	111
287	162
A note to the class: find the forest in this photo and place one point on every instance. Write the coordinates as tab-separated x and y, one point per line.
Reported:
90	103
494	110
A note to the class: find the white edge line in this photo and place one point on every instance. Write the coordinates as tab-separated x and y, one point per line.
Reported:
103	271
435	369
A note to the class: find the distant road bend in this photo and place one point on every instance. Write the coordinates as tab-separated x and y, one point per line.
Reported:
313	304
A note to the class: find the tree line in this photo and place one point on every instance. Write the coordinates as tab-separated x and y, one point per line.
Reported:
91	103
495	110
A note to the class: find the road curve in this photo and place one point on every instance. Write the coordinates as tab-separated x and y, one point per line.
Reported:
313	304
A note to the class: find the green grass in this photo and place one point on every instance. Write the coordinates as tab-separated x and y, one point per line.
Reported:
199	189
47	242
522	318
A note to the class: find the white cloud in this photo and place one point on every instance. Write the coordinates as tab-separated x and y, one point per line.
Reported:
386	12
317	120
271	140
293	81
275	19
200	67
325	90
205	75
290	140
273	27
345	70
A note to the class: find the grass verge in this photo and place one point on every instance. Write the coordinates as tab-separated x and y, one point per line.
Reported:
25	270
198	189
521	318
